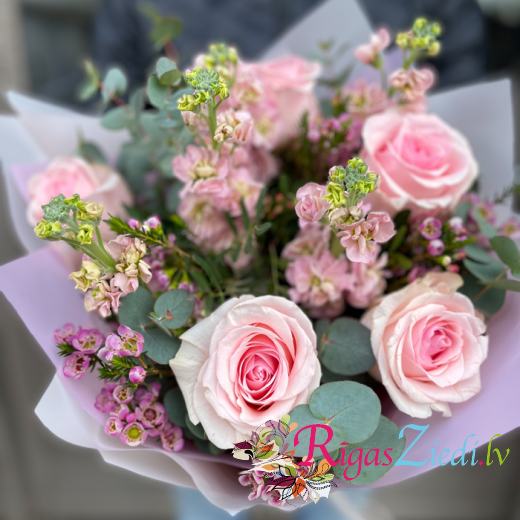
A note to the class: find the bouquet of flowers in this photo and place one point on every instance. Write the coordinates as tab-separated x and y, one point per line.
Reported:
266	271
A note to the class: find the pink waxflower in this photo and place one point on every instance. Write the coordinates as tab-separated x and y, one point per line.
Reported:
359	238
121	411
105	400
151	416
456	225
313	239
171	437
417	271
431	228
76	365
137	375
369	52
511	228
485	209
123	394
113	426
254	480
311	207
133	434
65	334
368	282
153	222
88	341
318	283
128	343
198	166
435	247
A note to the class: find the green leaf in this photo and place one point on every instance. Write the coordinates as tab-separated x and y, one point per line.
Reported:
483	224
167	71
210	271
348	349
321	327
156	92
490	302
462	210
475	252
179	303
402	261
159	346
260	204
91	152
196	429
86	90
504	285
116	119
398	240
166	29
507	251
349	406
136	102
115	84
235	252
231	223
175	407
386	437
245	214
173	198
263	228
200	279
484	272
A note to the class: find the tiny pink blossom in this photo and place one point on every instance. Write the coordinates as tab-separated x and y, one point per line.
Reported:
88	341
252	479
113	427
105	401
171	437
151	416
134	223
121	411
65	334
137	375
457	225
511	228
131	343
153	222
311	207
76	365
368	52
123	394
431	228
417	271
435	247
133	434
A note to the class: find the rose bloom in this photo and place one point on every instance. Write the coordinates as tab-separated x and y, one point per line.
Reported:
70	175
425	165
251	360
311	206
429	344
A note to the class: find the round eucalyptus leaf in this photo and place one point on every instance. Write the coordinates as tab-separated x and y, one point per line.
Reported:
159	346
506	249
352	407
196	429
374	464
135	309
179	304
347	348
116	119
115	84
156	92
175	407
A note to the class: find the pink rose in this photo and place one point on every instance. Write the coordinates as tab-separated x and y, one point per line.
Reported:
429	345
425	165
251	360
311	207
319	283
368	52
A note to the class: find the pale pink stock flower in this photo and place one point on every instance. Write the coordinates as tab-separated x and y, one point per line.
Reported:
104	298
366	99
413	82
252	359
319	283
368	52
359	239
311	207
241	124
368	281
313	239
198	165
429	344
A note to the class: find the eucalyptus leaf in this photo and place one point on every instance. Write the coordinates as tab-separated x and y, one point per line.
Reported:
475	252
116	119
484	272
175	407
462	210
347	348
135	309
507	251
156	92
505	285
196	429
159	346
483	224
167	71
115	84
386	437
179	303
490	302
166	29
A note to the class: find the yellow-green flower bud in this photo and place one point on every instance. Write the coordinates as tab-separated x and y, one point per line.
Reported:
223	89
43	229
85	234
72	200
434	48
88	274
89	210
335	195
402	40
419	24
436	29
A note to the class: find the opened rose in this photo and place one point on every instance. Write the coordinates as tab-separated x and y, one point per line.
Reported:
252	360
429	344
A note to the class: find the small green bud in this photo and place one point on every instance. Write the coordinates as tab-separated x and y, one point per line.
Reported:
89	210
434	48
419	24
436	29
335	194
43	229
85	233
402	40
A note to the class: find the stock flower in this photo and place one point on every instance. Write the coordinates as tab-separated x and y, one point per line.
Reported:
172	438
198	165
104	298
425	165
311	205
88	275
369	52
87	341
319	283
133	434
64	334
412	82
365	99
113	426
76	365
313	239
359	239
137	375
252	359
429	344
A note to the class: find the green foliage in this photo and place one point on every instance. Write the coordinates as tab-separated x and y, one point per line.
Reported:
179	304
195	429
504	284
117	118
476	253
484	272
114	84
167	72
156	92
489	302
385	437
175	407
119	367
507	251
347	349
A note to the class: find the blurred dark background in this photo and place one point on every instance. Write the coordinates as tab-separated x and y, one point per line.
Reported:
42	45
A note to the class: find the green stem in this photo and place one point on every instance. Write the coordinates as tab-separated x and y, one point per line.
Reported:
212	121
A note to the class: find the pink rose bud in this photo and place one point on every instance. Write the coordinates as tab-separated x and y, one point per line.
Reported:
153	222
431	228
435	247
113	426
137	375
311	207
